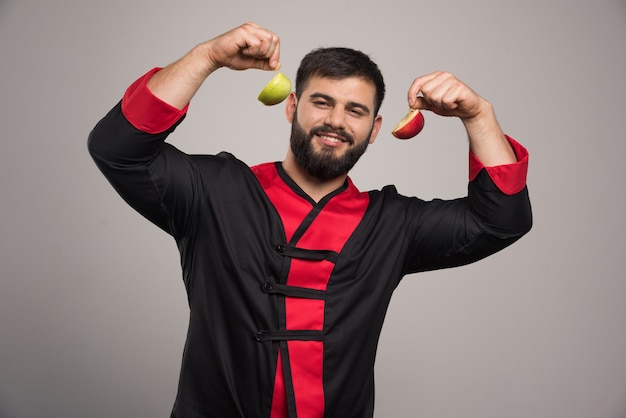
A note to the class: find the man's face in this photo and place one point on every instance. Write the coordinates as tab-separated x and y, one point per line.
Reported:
332	125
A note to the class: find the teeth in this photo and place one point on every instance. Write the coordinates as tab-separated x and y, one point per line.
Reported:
331	138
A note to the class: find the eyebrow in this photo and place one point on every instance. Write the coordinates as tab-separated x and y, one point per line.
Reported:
332	100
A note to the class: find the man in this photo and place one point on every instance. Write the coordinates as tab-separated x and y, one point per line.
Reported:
288	267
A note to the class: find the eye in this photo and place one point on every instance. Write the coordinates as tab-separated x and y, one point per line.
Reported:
355	111
321	103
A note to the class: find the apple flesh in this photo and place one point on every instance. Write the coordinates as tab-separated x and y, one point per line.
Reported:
276	90
410	125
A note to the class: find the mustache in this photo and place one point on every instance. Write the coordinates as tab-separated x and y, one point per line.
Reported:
322	130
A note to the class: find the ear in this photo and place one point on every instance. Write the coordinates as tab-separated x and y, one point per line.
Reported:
378	123
290	107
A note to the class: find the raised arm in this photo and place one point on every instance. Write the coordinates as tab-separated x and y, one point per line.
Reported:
497	209
247	46
128	144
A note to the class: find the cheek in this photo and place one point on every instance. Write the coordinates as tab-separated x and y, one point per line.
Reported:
363	132
309	122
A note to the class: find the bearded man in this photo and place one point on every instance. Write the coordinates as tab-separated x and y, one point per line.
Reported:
288	267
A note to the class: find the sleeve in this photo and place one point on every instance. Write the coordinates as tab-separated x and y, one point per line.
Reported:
509	178
155	178
145	111
495	213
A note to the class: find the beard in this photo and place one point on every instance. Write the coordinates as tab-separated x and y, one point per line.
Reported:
324	165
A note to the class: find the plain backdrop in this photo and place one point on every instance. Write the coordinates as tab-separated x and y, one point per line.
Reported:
93	312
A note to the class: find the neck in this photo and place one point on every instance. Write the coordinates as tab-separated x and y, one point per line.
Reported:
312	186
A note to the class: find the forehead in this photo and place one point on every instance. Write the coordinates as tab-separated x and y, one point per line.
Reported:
350	89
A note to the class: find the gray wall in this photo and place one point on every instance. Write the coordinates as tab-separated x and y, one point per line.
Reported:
92	309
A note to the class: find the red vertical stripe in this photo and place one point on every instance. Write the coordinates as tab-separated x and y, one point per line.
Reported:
329	231
307	371
279	398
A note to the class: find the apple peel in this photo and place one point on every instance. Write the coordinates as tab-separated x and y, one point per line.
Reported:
410	125
276	90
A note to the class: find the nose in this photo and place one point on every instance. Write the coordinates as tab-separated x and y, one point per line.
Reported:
335	118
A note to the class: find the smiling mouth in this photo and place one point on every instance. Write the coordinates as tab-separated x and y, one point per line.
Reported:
333	139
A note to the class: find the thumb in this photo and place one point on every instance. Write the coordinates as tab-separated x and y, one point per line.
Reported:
419	102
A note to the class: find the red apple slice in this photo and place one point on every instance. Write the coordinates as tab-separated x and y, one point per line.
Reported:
410	125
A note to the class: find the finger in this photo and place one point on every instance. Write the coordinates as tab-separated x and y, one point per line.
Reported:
420	103
264	47
416	88
275	58
448	96
251	47
436	94
274	52
441	91
466	100
453	96
257	41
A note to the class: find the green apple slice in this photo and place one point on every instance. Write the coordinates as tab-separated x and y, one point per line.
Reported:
276	90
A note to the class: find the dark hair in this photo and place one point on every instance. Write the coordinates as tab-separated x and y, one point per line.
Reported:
338	63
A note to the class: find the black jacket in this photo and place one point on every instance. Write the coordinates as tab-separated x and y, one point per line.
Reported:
269	271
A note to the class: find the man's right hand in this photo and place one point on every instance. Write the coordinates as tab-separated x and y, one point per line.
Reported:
245	47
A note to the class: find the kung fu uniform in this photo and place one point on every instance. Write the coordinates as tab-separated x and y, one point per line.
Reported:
287	296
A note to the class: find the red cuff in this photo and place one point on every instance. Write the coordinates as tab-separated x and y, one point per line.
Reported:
509	178
147	112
